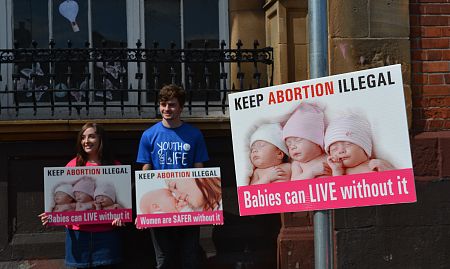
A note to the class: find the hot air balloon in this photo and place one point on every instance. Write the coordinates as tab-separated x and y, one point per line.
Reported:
69	9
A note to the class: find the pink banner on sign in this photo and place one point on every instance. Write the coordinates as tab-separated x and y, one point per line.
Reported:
368	189
180	219
88	217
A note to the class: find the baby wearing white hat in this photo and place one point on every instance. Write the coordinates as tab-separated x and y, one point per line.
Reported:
267	154
105	197
303	134
348	142
64	199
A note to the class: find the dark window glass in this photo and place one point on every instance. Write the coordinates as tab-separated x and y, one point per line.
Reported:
162	22
197	30
163	25
71	76
31	23
109	24
62	27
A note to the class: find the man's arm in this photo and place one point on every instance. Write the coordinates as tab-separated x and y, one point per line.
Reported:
198	165
147	166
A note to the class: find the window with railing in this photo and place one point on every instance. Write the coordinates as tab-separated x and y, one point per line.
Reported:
121	82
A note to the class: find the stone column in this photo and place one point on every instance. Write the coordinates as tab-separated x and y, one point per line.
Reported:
286	32
247	25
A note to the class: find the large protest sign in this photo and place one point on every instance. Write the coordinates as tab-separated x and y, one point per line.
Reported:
178	197
87	194
333	142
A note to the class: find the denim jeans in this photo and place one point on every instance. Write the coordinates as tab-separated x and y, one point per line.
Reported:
175	245
89	249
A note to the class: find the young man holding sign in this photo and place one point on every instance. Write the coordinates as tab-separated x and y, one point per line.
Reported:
173	144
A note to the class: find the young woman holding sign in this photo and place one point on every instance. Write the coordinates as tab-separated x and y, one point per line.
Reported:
93	245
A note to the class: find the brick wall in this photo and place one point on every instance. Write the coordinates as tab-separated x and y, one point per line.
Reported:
430	58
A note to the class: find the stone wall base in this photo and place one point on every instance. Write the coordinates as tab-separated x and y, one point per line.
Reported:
431	155
33	264
296	247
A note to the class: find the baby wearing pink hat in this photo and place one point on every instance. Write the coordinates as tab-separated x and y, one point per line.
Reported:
105	197
63	197
83	190
303	134
348	142
267	154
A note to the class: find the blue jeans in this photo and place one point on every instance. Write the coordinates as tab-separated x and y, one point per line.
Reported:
88	249
173	243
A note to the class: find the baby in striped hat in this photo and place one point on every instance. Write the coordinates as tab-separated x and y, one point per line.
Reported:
348	142
303	134
268	155
105	197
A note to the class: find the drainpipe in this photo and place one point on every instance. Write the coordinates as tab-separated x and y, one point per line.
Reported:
318	66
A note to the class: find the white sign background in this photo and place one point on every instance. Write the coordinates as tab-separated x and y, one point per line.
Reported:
384	108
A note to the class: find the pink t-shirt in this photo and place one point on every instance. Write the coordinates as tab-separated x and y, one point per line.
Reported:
89	227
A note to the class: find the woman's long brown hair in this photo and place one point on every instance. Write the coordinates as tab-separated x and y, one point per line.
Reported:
104	153
211	190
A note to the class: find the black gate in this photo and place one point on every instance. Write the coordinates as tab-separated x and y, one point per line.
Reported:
49	83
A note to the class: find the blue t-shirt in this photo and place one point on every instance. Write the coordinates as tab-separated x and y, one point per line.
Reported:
172	148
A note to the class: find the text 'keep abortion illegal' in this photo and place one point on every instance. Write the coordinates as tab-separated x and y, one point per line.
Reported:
87	171
299	92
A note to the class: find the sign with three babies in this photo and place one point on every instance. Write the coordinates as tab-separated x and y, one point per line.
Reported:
178	197
87	194
333	142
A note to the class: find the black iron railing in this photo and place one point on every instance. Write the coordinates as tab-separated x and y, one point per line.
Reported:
124	82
